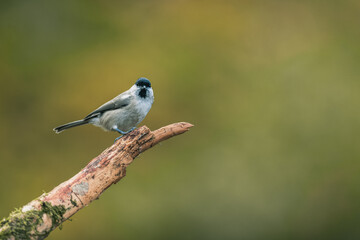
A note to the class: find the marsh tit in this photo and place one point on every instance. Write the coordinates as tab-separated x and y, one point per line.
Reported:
121	114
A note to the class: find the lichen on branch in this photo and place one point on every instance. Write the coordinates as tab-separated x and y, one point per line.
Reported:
32	224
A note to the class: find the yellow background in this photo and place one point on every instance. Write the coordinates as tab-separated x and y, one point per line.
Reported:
272	88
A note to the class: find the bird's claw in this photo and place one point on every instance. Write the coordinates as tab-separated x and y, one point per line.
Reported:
122	133
118	138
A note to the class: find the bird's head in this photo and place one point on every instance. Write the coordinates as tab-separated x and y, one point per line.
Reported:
143	88
143	83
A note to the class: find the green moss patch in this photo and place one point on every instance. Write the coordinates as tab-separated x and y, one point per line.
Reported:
23	225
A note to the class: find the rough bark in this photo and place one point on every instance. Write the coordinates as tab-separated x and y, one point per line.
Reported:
42	215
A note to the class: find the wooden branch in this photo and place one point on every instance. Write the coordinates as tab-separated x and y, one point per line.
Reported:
42	215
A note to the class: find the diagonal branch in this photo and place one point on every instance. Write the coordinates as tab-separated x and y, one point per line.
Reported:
39	217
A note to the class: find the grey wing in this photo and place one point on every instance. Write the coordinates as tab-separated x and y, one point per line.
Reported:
118	102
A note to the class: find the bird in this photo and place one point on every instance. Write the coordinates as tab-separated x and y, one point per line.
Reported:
121	114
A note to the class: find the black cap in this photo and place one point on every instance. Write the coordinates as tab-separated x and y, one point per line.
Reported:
143	82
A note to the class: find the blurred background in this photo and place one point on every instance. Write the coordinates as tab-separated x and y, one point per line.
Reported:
272	88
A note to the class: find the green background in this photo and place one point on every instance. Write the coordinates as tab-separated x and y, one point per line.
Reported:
272	88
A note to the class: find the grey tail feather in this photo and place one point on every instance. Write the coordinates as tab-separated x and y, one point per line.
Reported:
70	125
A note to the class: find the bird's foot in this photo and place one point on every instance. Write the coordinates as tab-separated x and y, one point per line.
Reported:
118	138
122	132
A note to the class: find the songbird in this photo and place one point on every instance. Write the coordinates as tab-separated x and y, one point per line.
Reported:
121	114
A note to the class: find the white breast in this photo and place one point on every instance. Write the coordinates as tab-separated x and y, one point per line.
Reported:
143	106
